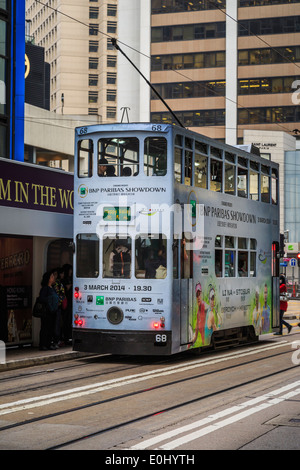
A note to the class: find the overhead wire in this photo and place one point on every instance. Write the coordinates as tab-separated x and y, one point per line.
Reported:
176	70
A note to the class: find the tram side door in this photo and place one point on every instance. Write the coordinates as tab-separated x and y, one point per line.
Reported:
275	285
186	293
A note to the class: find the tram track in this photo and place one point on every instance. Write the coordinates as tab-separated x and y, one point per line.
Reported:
48	371
136	393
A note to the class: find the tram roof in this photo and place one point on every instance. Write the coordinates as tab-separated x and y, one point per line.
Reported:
242	150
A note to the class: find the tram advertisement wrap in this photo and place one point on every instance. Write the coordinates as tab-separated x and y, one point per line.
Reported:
231	271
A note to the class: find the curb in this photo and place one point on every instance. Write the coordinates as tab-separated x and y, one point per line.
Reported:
39	360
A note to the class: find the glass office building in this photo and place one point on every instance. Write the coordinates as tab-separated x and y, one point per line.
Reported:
226	66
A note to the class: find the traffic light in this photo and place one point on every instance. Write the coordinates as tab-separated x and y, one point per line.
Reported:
298	258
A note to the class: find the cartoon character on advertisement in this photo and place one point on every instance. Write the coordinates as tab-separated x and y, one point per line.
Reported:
212	321
256	314
201	316
207	317
266	313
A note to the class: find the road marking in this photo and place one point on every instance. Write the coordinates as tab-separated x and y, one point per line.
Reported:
85	390
270	401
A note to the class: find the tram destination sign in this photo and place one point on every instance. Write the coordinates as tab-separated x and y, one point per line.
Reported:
117	214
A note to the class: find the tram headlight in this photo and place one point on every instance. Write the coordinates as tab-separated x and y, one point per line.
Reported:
115	315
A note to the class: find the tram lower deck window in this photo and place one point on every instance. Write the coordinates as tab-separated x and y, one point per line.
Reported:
117	257
151	256
87	255
235	256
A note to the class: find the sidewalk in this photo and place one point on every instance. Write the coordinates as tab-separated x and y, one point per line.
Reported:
26	356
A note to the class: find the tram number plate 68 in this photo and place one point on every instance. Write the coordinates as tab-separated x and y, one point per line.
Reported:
160	339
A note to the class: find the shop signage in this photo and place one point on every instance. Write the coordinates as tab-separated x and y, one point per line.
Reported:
29	186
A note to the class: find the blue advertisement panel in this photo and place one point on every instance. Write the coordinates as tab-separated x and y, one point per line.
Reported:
17	82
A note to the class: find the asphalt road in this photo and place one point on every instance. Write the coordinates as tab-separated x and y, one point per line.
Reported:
241	398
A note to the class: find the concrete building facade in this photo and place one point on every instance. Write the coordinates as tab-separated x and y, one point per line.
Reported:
88	75
227	66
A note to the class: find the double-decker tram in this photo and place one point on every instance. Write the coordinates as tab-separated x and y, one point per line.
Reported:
176	240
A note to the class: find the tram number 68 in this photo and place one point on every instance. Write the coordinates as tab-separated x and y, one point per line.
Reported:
160	338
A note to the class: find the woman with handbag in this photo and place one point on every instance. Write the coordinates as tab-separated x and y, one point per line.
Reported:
283	305
50	298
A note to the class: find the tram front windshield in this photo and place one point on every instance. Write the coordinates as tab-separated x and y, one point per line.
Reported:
120	156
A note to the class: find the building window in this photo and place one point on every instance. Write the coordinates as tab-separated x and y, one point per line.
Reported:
267	115
93	46
93	97
93	29
93	80
255	3
189	89
177	6
269	55
111	95
110	46
112	27
111	61
188	61
254	86
93	111
283	25
188	32
200	118
111	78
111	10
93	12
111	112
93	62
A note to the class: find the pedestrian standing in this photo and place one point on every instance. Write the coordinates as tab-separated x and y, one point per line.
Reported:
49	297
283	305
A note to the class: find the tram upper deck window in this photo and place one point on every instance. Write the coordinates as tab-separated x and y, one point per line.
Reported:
201	165
216	170
118	156
265	184
188	161
117	257
155	156
85	158
274	187
200	171
178	157
242	184
230	173
151	256
87	255
253	181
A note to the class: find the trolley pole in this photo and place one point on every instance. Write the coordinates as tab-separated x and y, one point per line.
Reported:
114	42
